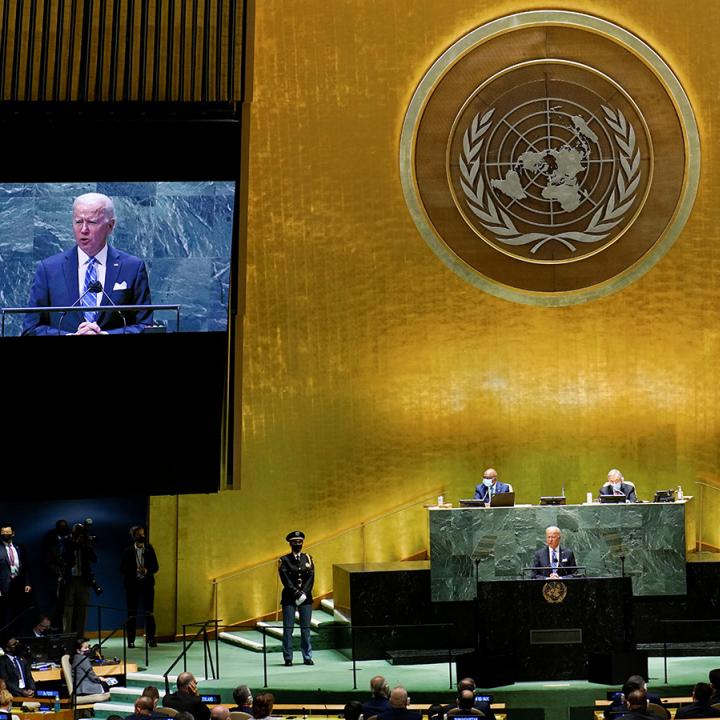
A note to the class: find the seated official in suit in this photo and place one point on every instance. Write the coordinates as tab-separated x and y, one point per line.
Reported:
84	678
700	706
187	698
93	275
553	561
616	485
16	672
398	707
490	486
438	712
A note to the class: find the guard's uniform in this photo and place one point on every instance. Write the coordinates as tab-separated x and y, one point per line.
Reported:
297	574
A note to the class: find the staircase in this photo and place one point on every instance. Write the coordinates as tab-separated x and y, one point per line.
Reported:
122	699
323	620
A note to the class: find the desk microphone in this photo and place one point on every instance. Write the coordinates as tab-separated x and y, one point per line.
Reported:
93	287
119	312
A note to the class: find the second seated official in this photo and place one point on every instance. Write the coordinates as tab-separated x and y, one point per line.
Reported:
616	485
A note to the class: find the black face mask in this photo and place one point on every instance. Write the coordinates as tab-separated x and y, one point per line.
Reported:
296	547
6	538
140	540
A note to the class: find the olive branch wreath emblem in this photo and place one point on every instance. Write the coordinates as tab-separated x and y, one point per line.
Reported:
496	221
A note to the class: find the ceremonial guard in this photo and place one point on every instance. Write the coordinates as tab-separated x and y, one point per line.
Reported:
297	574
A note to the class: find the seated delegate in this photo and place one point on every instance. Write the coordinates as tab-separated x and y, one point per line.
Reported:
616	485
490	486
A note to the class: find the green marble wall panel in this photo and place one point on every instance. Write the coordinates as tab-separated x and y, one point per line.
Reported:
651	536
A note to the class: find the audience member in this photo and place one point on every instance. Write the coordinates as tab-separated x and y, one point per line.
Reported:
15	671
701	706
242	695
152	692
353	710
714	678
5	701
219	712
398	710
144	707
438	712
379	701
638	706
187	698
262	706
465	706
618	707
43	628
183	715
85	680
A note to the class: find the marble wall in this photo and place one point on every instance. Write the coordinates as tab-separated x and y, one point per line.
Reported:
650	536
183	231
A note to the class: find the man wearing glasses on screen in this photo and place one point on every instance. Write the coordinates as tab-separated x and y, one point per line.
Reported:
92	275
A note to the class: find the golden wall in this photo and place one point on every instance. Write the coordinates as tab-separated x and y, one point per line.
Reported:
369	374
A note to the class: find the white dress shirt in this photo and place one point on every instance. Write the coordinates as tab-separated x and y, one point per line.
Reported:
100	267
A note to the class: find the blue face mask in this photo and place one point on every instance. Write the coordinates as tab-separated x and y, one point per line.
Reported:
487	482
616	485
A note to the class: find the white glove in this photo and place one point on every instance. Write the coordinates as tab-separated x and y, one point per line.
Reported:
301	599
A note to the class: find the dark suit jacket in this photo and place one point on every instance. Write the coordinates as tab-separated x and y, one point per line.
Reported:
9	673
483	493
297	577
438	712
695	710
56	285
399	714
541	563
184	702
22	577
128	565
87	556
627	490
375	706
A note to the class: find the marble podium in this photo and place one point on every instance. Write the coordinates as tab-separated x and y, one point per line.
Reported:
650	536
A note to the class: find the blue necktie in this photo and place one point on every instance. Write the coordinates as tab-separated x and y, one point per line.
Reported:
554	561
90	299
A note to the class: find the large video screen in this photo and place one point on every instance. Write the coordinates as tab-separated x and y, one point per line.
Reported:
181	230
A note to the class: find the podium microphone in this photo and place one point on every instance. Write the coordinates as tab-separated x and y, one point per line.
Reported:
93	287
109	299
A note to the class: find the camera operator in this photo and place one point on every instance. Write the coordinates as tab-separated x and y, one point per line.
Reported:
78	556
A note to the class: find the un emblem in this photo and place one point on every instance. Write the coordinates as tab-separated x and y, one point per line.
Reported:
550	157
554	591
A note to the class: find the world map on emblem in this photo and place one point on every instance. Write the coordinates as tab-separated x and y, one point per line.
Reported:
561	173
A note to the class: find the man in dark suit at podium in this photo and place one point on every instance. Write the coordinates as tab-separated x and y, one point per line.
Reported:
553	561
91	274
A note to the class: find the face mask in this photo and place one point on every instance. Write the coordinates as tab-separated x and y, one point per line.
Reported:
140	539
616	485
296	548
487	482
6	538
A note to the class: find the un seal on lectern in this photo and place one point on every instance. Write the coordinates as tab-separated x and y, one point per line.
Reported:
554	591
550	157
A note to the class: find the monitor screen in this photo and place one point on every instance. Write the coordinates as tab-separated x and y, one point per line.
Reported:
181	230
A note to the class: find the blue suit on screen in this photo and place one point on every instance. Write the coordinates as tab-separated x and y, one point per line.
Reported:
482	492
56	285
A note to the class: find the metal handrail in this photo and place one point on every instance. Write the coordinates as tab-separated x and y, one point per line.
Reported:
679	621
202	629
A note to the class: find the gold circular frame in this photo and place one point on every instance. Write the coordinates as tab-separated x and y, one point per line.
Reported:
639	49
